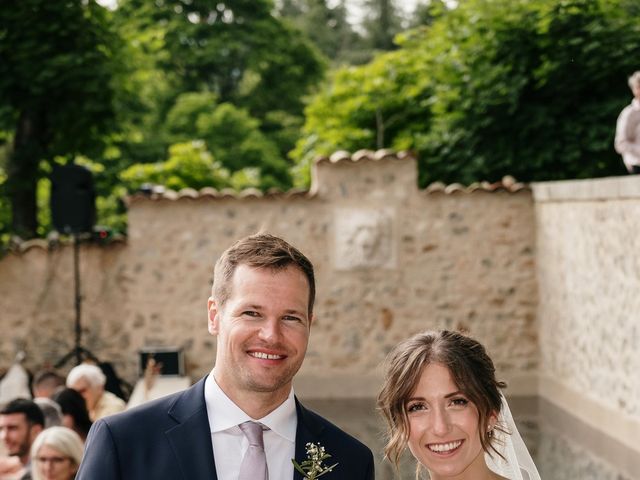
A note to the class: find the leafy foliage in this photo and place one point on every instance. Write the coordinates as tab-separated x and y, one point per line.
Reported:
190	165
493	87
230	134
82	80
382	104
534	90
328	28
237	51
382	23
56	67
207	93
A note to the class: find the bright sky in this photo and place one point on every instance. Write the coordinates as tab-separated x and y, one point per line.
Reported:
354	6
356	9
110	4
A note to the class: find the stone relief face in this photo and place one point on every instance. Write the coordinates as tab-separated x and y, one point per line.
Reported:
364	239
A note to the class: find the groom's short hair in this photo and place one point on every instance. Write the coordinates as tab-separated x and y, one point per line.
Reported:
261	250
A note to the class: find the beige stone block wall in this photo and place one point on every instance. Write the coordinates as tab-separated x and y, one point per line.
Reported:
37	305
589	277
390	260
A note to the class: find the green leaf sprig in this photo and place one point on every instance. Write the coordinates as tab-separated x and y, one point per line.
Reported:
313	467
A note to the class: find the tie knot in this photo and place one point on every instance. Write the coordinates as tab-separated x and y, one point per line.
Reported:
253	432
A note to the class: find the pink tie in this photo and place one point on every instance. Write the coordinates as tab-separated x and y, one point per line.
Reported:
254	463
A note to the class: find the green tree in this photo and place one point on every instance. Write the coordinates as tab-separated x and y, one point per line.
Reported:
532	89
56	66
328	28
234	137
238	51
190	165
382	22
493	87
231	135
425	13
384	104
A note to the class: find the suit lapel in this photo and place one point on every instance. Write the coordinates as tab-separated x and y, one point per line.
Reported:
308	430
191	437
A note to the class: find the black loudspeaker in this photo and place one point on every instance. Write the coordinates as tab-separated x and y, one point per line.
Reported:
73	199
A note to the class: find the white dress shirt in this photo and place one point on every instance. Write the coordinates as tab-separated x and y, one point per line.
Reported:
230	444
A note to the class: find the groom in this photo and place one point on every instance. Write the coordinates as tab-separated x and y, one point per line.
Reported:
243	421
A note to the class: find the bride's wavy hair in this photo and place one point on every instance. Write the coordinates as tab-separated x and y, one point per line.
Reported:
472	371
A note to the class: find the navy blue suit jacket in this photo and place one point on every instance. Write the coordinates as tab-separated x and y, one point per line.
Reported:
170	439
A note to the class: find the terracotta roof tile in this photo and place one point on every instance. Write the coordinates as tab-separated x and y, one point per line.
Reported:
251	192
454	187
171	195
158	192
339	156
363	155
508	184
53	241
27	245
435	187
209	192
382	154
188	193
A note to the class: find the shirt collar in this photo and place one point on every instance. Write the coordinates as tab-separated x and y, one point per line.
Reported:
635	103
224	414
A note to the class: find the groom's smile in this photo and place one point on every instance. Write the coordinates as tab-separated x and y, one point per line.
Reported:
263	331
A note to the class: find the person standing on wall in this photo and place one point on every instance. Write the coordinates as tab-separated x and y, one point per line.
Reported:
627	140
242	421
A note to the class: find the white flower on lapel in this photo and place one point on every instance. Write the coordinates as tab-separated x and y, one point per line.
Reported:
313	466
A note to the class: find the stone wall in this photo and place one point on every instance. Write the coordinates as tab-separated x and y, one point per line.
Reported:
588	258
390	259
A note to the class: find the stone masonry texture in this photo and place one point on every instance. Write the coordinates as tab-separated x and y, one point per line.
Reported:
390	259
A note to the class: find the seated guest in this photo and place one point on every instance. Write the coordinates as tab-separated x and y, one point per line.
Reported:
88	381
21	421
45	383
56	454
74	411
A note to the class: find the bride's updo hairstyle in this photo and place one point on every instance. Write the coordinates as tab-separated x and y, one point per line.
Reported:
471	369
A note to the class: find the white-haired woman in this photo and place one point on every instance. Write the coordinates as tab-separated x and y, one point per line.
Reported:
88	380
56	454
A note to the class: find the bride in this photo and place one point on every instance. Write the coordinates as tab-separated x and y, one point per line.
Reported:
441	399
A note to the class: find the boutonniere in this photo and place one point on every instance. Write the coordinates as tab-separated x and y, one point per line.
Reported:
313	467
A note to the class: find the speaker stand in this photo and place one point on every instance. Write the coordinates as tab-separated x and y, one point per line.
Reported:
78	351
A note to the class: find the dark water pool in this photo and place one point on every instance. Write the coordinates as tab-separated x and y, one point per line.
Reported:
562	447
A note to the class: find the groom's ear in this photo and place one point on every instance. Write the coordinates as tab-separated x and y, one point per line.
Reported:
213	320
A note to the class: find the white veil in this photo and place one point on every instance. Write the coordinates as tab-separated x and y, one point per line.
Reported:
517	463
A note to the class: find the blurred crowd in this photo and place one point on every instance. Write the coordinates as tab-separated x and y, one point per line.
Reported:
45	419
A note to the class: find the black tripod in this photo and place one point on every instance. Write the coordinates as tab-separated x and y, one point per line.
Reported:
73	213
78	350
